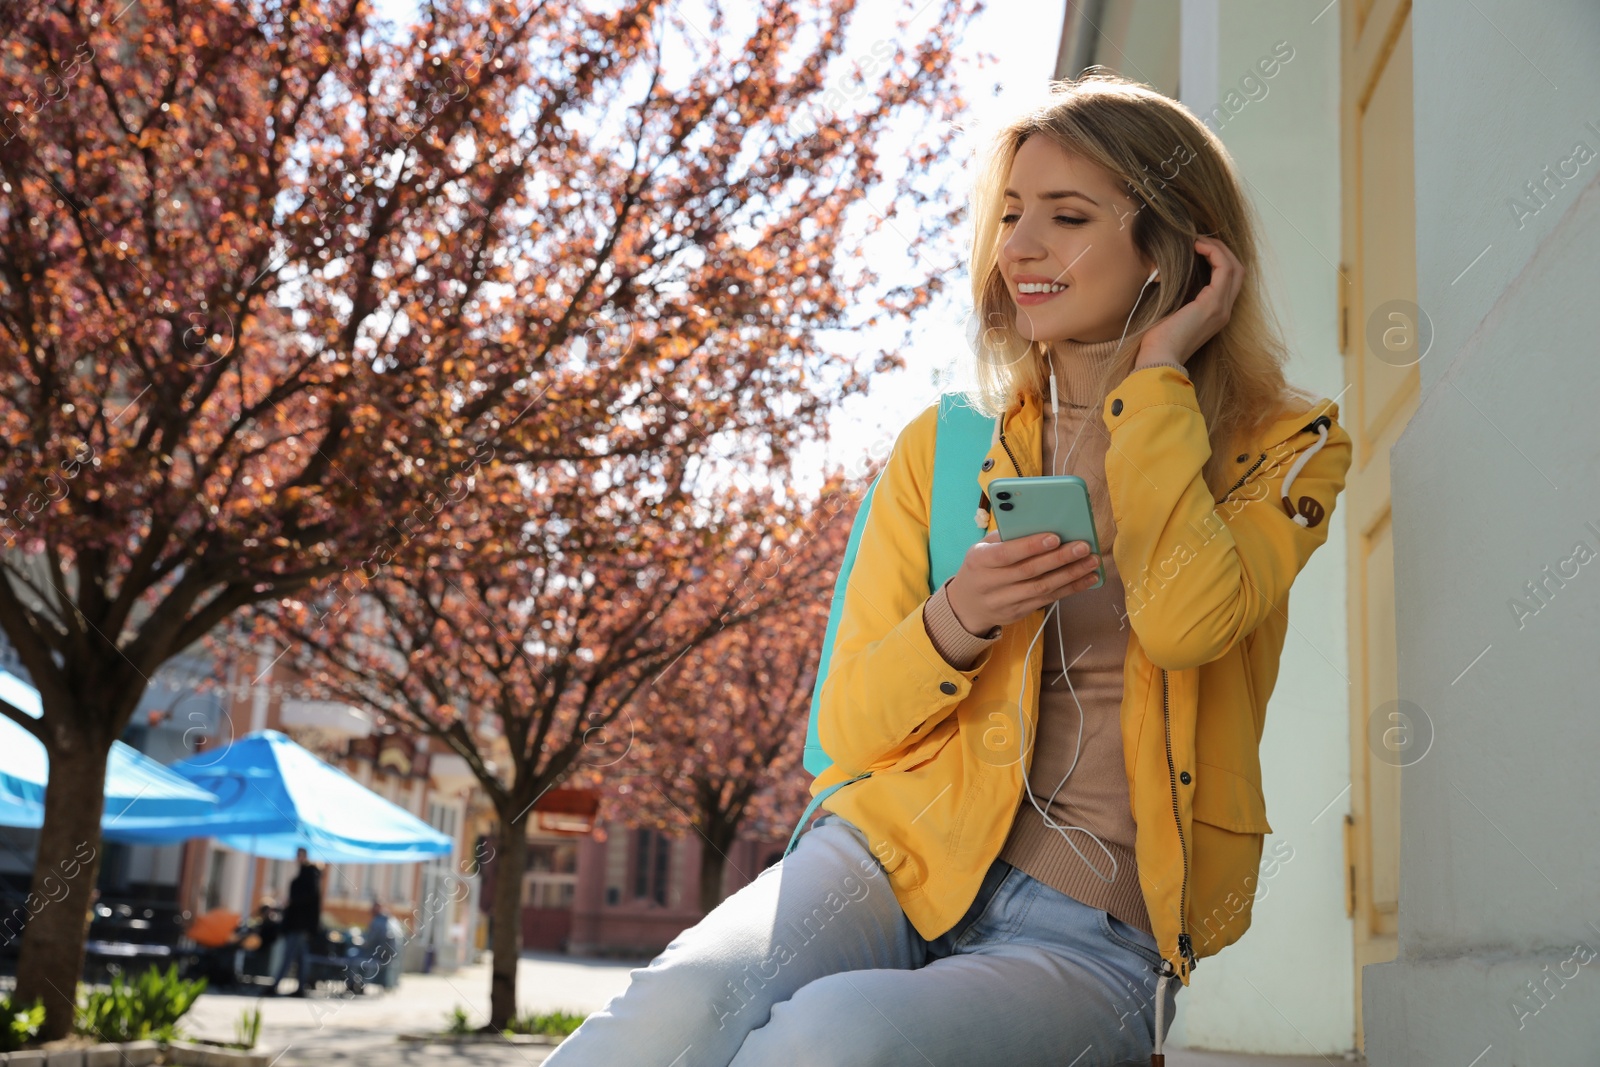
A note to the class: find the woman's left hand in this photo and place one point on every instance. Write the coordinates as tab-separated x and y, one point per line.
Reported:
1180	334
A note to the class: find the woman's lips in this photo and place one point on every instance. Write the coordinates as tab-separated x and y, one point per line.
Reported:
1029	299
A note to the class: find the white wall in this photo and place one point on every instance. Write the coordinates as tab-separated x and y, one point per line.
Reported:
1287	986
1497	485
1504	88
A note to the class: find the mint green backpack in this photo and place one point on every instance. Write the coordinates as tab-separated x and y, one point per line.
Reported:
960	444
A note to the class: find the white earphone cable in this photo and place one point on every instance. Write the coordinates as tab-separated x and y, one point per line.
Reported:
1055	611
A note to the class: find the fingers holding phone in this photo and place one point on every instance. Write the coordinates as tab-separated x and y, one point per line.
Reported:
1000	582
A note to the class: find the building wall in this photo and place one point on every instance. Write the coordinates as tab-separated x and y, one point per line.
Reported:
1500	97
1497	526
609	919
1138	39
1287	986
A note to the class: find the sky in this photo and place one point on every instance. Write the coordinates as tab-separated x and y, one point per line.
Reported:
1003	61
1022	39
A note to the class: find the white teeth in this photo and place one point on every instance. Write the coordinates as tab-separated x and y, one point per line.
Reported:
1039	287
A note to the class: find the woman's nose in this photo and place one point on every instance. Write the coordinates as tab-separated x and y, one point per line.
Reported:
1019	248
1021	244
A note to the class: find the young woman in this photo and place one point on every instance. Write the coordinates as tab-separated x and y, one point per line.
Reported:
1052	793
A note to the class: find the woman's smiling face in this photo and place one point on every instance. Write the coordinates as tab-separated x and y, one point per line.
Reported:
1068	223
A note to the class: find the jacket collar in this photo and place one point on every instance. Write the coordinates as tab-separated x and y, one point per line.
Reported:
1019	428
1289	423
1013	448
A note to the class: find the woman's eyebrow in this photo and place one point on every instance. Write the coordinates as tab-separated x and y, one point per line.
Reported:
1059	194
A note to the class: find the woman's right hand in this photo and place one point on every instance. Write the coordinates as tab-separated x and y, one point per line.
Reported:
1000	582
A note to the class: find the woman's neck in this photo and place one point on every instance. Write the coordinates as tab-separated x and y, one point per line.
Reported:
1079	369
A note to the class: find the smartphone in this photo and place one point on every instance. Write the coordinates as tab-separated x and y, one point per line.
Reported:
1051	503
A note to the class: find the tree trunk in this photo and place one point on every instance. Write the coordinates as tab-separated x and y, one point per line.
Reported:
712	863
717	839
511	857
64	874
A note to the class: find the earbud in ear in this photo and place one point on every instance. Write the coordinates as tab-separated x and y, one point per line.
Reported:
1154	271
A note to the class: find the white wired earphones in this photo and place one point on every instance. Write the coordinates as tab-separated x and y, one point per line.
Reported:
1055	407
1055	608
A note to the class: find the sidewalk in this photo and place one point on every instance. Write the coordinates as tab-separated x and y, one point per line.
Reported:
330	1031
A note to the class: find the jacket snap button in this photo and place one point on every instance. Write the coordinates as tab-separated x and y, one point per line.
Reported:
1184	777
1242	457
947	688
988	463
1116	406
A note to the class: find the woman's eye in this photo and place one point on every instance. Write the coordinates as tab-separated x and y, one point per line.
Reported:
1008	219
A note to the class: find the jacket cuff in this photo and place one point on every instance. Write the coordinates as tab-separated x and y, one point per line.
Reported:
959	647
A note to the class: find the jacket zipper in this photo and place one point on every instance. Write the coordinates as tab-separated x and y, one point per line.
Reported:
1014	466
1310	427
1185	945
1259	460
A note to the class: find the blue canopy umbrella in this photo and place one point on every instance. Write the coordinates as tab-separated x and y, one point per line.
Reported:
275	797
140	792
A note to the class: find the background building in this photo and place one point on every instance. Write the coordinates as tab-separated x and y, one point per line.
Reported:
1495	520
605	889
637	889
1426	177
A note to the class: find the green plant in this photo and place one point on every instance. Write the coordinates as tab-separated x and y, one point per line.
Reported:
248	1028
549	1023
147	1008
459	1023
21	1025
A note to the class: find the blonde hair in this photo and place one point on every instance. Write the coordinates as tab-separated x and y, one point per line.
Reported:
1139	136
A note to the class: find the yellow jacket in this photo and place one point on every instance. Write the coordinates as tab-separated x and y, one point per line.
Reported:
1207	594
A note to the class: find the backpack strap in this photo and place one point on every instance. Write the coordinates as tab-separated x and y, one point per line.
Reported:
811	808
962	439
816	759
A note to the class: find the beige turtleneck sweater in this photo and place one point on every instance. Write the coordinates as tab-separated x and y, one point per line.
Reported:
1091	627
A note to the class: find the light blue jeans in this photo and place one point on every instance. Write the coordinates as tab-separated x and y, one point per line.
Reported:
814	962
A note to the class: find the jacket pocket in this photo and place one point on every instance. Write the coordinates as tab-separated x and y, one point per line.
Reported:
1229	800
919	752
1230	823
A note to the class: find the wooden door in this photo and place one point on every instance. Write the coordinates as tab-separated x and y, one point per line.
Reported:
1383	335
